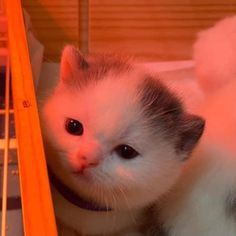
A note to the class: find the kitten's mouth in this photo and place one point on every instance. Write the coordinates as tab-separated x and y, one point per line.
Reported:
73	197
82	174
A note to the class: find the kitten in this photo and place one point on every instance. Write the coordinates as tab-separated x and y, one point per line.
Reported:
116	140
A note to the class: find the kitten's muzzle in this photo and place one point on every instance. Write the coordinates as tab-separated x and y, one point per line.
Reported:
85	163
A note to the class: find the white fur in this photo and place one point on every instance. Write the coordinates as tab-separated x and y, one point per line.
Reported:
215	55
197	204
111	116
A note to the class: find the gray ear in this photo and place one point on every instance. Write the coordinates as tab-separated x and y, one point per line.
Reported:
191	131
72	62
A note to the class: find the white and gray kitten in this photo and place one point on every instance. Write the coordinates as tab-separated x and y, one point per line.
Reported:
115	137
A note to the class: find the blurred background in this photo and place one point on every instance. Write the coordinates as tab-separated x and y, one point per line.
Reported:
150	29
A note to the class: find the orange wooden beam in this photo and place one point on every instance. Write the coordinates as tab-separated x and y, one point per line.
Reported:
38	214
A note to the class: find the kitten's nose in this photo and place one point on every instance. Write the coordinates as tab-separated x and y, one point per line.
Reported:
88	162
84	163
89	155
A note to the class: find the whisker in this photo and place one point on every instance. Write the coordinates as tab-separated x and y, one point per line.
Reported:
128	204
100	179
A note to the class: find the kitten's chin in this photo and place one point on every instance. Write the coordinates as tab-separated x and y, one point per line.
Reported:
82	175
115	197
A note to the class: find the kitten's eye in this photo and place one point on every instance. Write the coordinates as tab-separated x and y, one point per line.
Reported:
74	127
126	152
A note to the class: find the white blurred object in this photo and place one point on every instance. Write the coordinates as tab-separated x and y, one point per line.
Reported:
215	55
220	113
48	79
36	49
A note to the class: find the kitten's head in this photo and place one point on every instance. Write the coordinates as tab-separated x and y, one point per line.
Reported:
114	133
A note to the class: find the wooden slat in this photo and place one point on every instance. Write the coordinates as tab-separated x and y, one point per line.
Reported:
38	216
153	29
6	150
56	23
83	25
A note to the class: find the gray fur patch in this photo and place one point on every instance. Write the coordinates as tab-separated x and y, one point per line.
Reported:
230	204
165	112
157	231
159	105
152	225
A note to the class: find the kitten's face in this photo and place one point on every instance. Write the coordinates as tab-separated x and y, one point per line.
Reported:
106	143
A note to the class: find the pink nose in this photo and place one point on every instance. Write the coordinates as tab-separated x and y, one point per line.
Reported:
85	163
88	155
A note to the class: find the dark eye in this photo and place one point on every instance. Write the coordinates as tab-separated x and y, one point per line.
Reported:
74	127
126	152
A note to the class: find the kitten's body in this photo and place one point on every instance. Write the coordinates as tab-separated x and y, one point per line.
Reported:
117	108
203	202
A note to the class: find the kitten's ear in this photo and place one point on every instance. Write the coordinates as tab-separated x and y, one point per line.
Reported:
191	131
72	62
